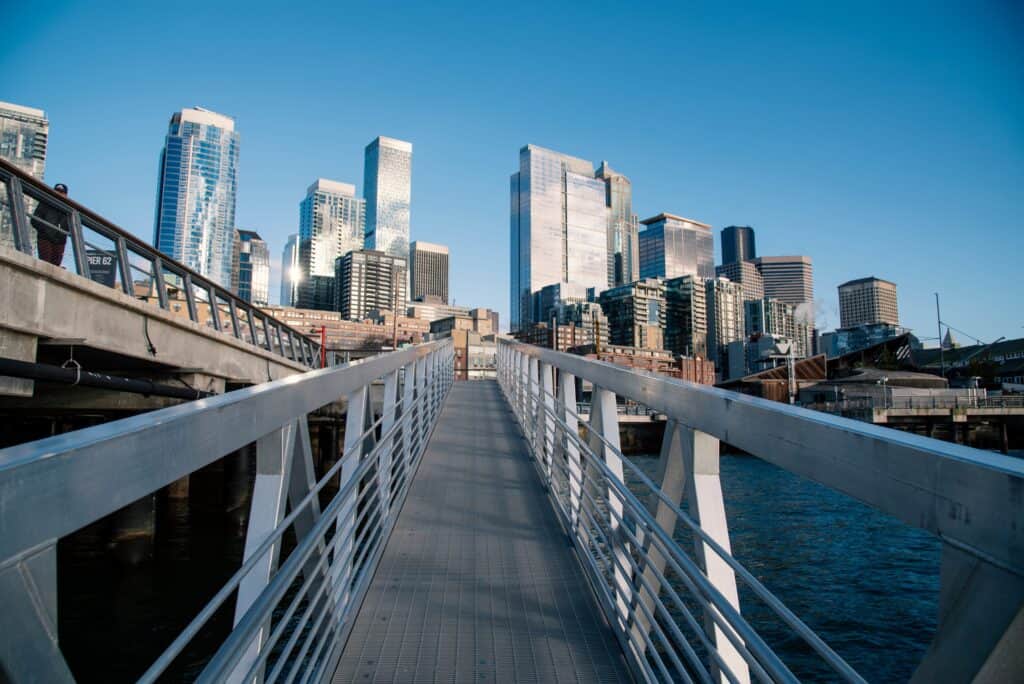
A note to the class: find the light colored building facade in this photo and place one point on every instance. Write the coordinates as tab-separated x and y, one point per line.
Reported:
291	273
387	187
738	244
24	132
867	301
331	223
623	227
672	246
636	314
195	214
250	268
746	274
725	318
428	270
559	228
789	278
779	319
366	280
432	309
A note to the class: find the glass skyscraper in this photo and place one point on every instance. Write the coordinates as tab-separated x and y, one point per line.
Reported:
195	213
673	246
387	186
737	244
623	247
331	224
250	268
290	271
559	229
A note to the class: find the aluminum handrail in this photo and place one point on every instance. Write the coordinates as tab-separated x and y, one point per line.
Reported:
907	476
244	321
79	477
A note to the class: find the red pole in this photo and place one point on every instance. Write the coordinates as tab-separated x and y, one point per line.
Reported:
323	346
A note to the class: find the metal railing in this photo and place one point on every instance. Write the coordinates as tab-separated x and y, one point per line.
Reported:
32	214
915	402
290	621
677	614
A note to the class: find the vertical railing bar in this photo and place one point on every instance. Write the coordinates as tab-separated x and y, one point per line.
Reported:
161	286
211	292
19	218
78	245
190	297
124	267
236	328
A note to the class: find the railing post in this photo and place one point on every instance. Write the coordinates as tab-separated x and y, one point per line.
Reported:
524	388
78	244
604	421
274	453
408	397
533	399
19	218
545	417
389	416
567	405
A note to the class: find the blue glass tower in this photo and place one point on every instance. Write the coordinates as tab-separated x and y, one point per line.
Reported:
195	211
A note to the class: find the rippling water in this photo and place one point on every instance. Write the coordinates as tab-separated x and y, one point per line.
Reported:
865	582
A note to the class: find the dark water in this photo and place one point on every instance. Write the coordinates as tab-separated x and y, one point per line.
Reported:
866	583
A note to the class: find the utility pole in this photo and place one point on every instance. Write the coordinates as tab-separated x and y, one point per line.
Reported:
938	320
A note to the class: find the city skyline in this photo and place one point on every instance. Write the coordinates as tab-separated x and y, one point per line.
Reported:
885	184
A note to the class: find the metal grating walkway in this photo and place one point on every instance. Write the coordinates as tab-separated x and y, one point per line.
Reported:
478	581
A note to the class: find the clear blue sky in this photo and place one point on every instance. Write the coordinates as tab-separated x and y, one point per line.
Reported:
880	139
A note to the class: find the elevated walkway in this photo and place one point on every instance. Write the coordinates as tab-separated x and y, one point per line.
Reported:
478	582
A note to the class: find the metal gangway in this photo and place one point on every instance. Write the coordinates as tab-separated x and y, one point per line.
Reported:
99	251
459	497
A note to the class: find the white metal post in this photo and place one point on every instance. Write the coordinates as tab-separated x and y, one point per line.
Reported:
545	414
604	421
567	403
386	453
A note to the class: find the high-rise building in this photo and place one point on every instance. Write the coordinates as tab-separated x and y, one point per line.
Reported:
24	132
291	273
725	318
673	246
366	280
789	278
779	319
686	316
738	244
23	135
250	268
195	210
636	314
746	274
866	301
559	228
331	221
428	270
623	245
387	186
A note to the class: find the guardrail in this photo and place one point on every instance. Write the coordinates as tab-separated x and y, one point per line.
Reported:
33	217
969	498
912	402
290	621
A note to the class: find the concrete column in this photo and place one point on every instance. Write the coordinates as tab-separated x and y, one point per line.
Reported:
134	529
178	489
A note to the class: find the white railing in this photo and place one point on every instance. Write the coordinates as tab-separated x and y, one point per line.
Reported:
677	614
289	621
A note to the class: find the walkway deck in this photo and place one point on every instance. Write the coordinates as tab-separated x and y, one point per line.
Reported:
478	581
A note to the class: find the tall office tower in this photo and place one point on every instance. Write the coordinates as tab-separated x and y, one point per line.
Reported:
195	209
291	274
725	318
686	316
428	270
367	280
23	135
623	246
636	314
559	229
789	278
331	221
387	186
746	274
250	268
737	244
866	301
673	246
